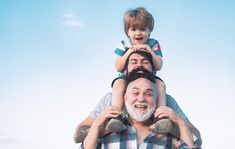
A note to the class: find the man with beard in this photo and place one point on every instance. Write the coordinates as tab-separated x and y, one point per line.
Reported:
136	60
140	101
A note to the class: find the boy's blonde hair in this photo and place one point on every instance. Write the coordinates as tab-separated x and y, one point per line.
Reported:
139	18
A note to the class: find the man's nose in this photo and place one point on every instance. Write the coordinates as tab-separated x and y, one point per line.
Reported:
138	64
141	98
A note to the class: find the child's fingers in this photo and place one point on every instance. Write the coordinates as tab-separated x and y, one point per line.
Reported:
143	50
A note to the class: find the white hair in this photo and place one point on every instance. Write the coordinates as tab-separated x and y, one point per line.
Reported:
140	117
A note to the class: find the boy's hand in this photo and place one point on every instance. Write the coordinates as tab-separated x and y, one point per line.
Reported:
144	47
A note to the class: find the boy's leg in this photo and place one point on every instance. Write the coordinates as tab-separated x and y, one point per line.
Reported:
119	87
161	88
163	125
116	124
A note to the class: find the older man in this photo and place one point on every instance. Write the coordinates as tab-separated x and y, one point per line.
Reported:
136	59
140	102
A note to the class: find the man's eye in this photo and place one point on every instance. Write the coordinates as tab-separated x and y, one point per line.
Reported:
149	94
135	93
133	62
145	62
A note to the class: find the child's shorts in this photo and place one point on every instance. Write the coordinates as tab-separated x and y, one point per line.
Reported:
121	76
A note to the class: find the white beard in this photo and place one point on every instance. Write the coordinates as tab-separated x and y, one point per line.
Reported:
140	117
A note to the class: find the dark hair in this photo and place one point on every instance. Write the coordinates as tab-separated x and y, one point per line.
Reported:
134	75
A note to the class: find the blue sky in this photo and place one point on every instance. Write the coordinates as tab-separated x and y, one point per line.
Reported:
57	61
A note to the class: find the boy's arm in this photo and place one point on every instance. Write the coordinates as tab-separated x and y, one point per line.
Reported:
157	60
121	60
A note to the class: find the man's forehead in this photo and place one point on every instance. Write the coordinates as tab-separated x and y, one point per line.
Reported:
137	57
141	83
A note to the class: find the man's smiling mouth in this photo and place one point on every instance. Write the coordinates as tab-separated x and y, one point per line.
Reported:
140	106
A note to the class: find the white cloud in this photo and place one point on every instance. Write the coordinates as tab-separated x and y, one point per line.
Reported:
69	16
73	23
70	20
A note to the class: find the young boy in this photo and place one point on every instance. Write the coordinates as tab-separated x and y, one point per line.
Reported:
138	24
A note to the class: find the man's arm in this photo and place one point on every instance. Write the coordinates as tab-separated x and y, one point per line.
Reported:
91	139
82	129
196	132
184	131
171	102
97	126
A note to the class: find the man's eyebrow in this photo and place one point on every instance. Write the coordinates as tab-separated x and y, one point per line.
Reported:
135	88
135	59
144	59
149	90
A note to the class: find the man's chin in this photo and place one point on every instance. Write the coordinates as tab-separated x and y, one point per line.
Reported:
140	116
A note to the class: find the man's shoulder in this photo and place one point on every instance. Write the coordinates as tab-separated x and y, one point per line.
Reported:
106	98
169	97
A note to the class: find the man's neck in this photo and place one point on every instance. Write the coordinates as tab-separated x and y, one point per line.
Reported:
146	123
142	130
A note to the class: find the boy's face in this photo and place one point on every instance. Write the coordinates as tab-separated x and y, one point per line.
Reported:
138	36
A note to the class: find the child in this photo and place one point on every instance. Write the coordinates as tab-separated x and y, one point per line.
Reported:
138	24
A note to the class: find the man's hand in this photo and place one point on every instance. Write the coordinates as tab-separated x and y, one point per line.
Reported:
164	111
110	112
185	133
